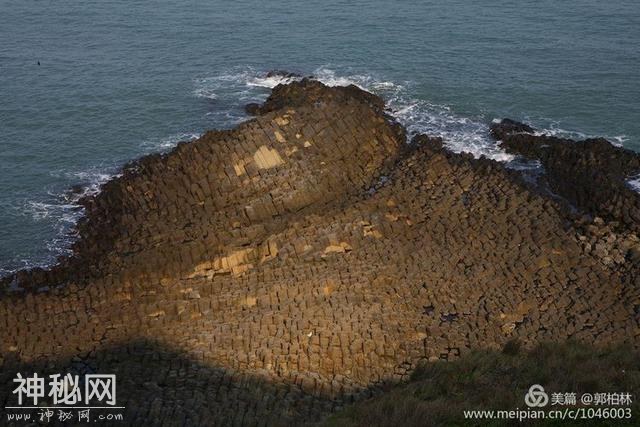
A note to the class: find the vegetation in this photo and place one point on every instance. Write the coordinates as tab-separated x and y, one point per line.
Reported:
439	393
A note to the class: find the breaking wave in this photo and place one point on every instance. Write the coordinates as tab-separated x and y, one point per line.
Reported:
553	128
634	183
417	115
167	143
229	91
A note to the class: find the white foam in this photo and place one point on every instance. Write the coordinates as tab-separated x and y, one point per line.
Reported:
459	134
553	128
62	215
204	92
634	183
239	86
227	119
214	87
525	165
90	181
271	81
330	78
242	85
41	210
618	140
164	144
62	210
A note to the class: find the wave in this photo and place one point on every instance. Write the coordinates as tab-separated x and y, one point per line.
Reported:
62	209
205	93
459	133
271	81
55	211
553	128
165	144
417	115
232	89
634	183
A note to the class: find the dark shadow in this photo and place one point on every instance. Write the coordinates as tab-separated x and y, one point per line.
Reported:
160	386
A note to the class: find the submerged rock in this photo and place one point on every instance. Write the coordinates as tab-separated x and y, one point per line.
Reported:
252	108
283	74
507	126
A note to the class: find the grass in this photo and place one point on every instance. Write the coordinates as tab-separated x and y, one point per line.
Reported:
439	392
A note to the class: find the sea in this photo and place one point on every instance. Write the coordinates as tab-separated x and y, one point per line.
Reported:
86	86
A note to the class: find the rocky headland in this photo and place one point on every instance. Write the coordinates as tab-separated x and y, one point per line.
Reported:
272	273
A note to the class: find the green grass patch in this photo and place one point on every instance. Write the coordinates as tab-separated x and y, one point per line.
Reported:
439	393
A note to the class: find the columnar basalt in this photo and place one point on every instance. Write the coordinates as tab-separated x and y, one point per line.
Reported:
591	174
273	272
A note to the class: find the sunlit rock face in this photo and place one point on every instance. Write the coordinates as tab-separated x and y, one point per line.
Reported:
274	272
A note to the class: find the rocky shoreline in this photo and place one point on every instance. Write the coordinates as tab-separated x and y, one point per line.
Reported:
274	272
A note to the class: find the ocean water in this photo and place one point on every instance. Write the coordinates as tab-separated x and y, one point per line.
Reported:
118	79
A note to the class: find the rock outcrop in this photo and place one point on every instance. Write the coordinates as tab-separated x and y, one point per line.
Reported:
271	273
591	174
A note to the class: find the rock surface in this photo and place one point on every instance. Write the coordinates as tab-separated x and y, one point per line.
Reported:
271	273
590	174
